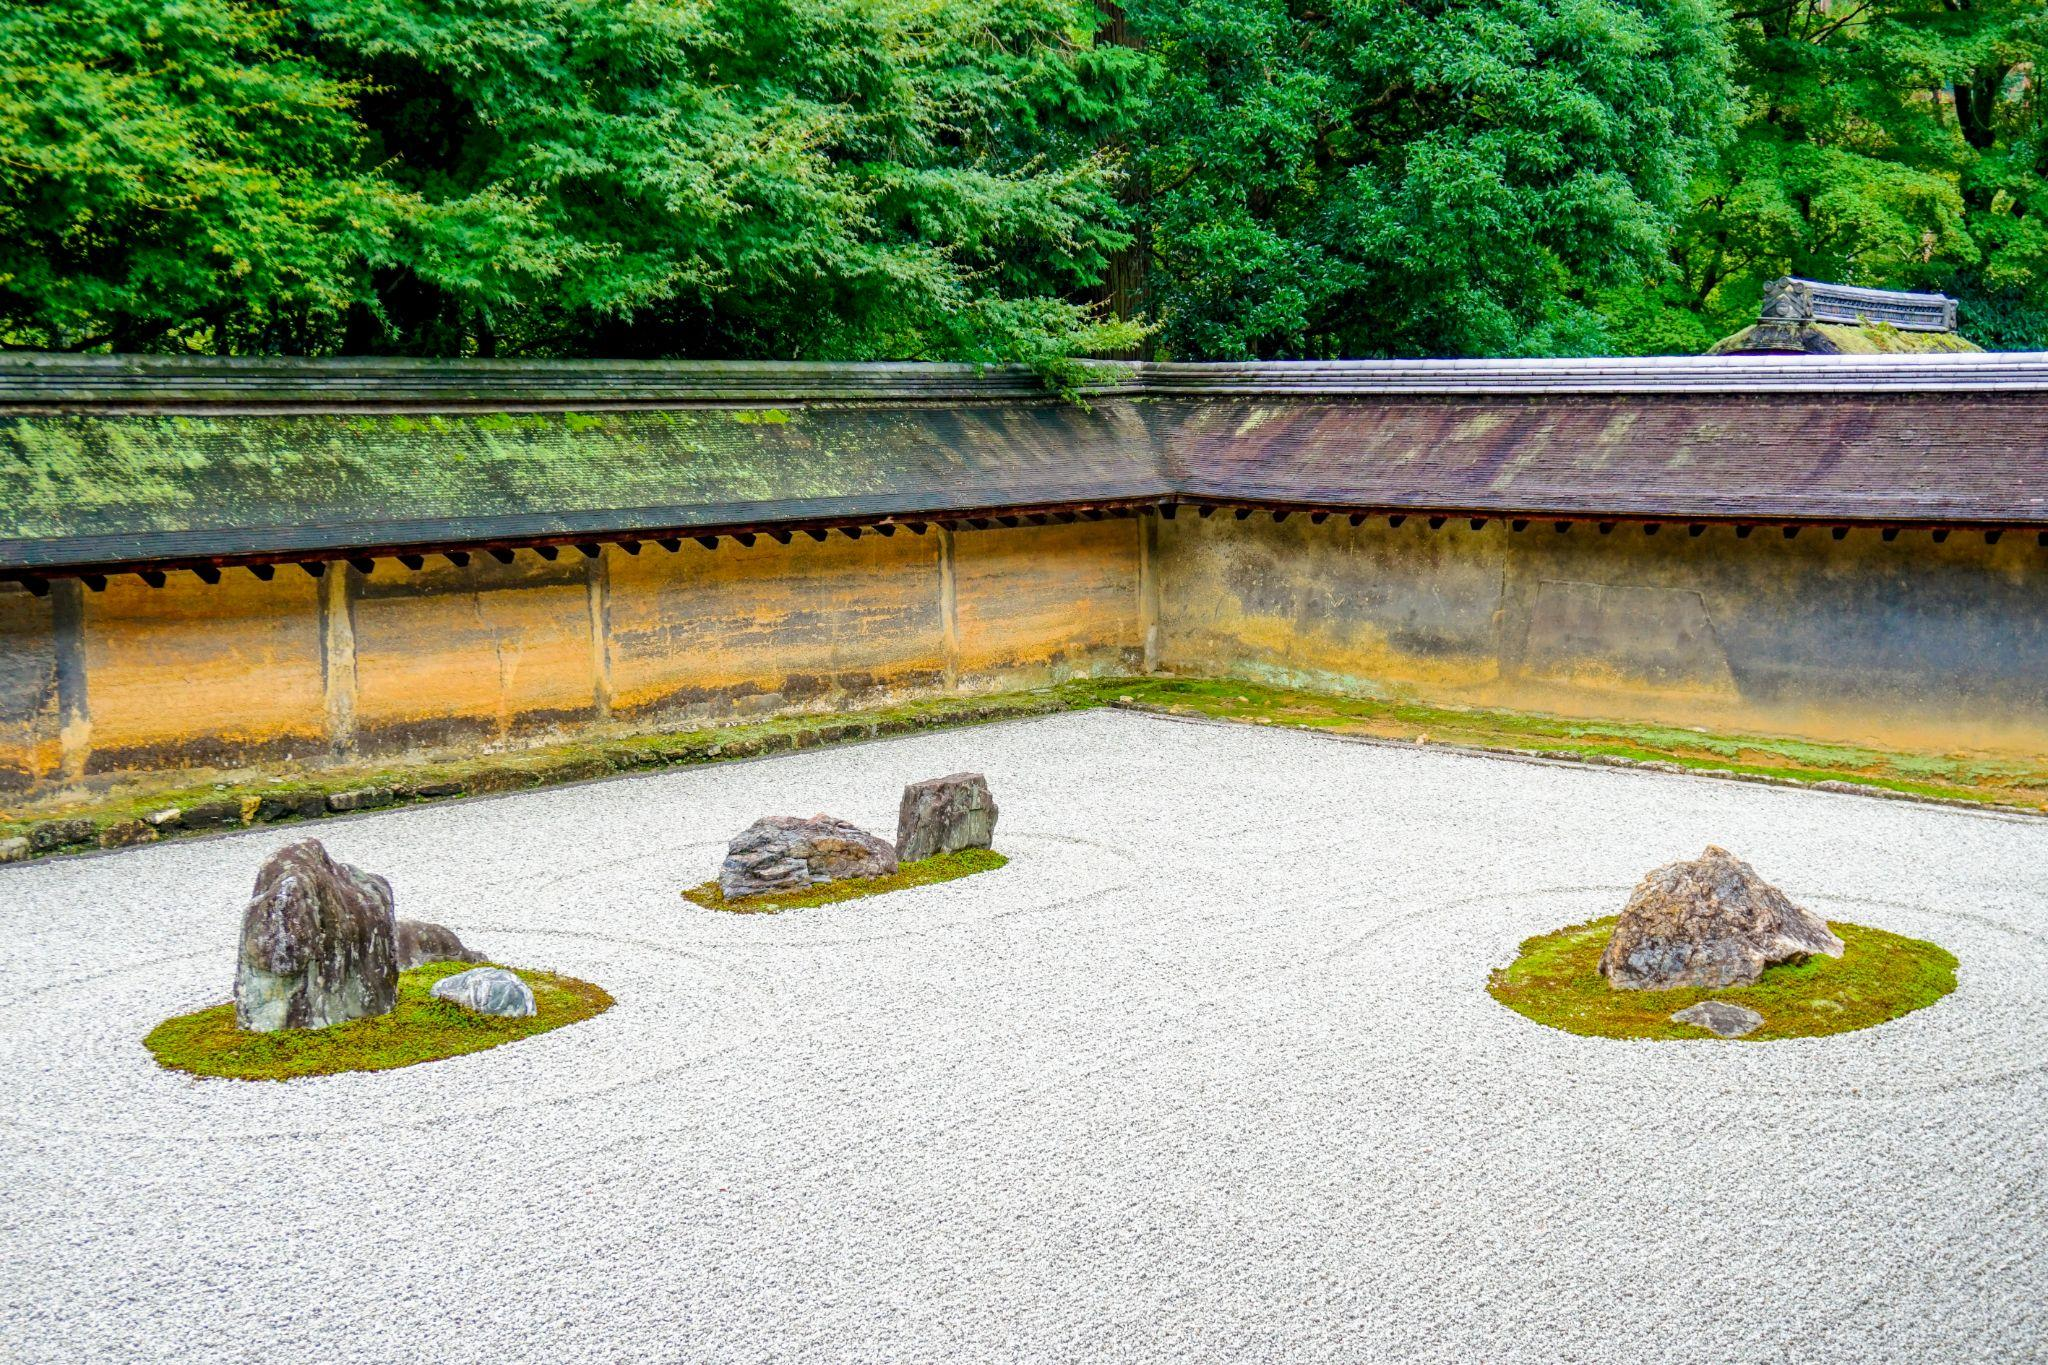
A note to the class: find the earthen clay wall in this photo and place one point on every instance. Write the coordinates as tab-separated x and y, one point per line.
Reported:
306	670
1911	643
1905	644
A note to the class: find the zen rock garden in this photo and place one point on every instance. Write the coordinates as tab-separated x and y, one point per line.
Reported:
324	955
329	979
1706	944
321	945
780	860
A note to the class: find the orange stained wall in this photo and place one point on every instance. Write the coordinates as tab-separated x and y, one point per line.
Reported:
488	649
1035	602
743	629
198	671
298	669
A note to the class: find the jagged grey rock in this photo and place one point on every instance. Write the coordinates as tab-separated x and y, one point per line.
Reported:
420	941
319	944
1710	921
784	853
945	815
487	990
1721	1017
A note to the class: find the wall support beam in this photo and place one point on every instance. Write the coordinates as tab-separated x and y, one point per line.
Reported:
74	713
337	588
597	577
949	607
1148	588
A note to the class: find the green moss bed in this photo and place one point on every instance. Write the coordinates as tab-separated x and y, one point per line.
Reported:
1556	981
945	867
420	1029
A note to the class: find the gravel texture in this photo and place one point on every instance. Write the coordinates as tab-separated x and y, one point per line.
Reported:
1206	1072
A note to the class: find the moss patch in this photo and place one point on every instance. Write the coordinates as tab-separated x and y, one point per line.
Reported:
1976	778
945	867
1556	981
420	1029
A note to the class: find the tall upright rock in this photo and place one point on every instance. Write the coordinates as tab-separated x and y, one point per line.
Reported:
1711	921
319	944
945	815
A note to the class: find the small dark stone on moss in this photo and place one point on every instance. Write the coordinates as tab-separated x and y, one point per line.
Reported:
123	833
277	806
213	815
61	834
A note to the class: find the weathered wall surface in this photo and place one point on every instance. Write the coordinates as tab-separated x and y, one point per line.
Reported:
194	672
1908	644
298	669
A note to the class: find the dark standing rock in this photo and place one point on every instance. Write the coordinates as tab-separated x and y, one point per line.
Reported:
1721	1017
945	815
419	941
319	944
1708	922
783	853
488	990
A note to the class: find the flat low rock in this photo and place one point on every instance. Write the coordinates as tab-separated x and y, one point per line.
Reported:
945	815
783	853
487	990
1720	1017
1710	921
420	942
319	944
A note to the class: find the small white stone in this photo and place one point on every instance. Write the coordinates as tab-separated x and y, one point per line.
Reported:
487	990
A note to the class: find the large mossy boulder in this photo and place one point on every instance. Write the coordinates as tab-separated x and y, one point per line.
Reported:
1710	921
945	815
783	853
319	944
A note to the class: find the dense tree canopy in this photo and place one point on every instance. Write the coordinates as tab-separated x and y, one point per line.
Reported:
812	178
1387	177
1004	179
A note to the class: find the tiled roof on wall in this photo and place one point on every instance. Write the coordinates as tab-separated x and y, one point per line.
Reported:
123	461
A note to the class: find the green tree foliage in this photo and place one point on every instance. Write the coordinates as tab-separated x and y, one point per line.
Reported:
806	178
978	179
1893	143
169	169
1391	177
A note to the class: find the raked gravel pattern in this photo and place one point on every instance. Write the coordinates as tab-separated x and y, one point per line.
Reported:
1207	1072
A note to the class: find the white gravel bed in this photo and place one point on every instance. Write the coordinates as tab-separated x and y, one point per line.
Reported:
1207	1072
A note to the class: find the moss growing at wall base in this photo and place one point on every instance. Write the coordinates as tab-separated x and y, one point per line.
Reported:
1970	778
134	817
